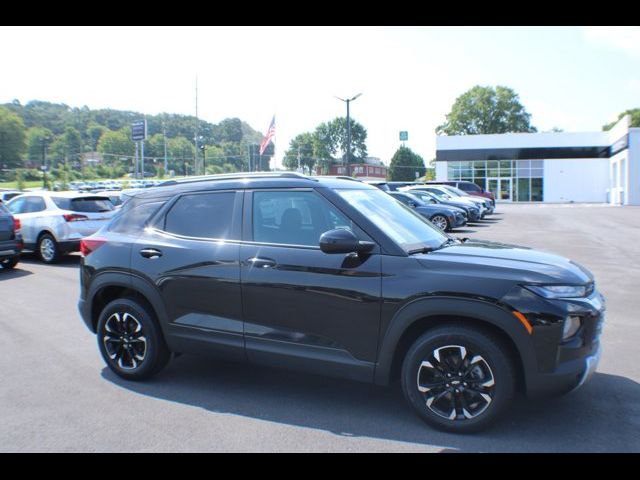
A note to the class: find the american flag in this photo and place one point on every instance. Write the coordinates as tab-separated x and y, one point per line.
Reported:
269	136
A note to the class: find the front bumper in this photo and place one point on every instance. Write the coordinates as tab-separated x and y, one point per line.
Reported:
560	366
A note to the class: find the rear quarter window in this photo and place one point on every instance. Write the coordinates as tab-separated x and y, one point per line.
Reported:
133	217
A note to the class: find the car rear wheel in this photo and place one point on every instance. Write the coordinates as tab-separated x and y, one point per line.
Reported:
48	249
130	340
9	263
458	378
441	222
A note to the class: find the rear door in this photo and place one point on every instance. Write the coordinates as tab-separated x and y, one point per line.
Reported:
191	256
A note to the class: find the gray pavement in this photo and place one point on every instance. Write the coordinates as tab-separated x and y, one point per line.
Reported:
56	394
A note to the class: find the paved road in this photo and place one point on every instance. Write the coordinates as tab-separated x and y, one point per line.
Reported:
56	395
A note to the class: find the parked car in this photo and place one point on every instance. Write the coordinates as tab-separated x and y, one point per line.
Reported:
10	239
443	217
53	223
473	212
6	195
336	277
444	194
456	192
469	187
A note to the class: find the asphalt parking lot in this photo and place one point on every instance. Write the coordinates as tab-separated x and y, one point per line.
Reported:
57	395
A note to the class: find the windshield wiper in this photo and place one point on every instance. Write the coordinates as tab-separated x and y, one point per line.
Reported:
421	250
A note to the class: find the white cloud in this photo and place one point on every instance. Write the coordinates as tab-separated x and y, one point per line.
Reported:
625	38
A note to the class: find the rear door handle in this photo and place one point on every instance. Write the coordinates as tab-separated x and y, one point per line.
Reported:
261	262
150	253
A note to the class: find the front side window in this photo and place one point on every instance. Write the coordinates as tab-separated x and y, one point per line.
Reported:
408	229
207	215
32	205
294	218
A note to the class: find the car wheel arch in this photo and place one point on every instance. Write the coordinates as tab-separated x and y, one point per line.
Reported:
422	314
110	286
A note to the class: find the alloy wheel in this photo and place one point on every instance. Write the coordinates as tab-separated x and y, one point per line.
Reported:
456	383
124	340
440	222
47	249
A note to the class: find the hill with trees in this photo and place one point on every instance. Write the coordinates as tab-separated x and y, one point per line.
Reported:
69	136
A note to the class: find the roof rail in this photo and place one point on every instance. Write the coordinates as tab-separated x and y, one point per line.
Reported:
235	176
339	177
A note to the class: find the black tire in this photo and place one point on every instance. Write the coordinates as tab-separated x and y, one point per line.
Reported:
495	364
439	220
9	263
48	249
155	354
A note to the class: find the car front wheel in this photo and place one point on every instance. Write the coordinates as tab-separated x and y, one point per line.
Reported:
130	340
458	378
441	222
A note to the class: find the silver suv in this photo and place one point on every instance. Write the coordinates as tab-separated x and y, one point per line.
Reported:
53	223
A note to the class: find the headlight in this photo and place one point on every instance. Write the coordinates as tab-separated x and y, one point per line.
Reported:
559	291
571	326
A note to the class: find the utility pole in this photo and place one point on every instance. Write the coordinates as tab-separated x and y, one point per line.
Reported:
164	135
196	131
44	162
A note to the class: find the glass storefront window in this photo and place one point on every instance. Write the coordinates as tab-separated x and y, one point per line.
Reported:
536	189
524	190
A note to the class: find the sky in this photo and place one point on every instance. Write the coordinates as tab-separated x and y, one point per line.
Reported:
573	78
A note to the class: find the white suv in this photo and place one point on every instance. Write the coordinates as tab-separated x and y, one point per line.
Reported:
53	223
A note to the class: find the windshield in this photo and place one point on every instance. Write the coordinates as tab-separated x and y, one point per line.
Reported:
457	191
426	197
408	229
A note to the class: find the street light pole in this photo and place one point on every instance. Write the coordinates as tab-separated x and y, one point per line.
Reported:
348	153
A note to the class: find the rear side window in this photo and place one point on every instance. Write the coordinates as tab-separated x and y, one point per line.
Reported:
84	204
469	187
208	215
3	209
133	219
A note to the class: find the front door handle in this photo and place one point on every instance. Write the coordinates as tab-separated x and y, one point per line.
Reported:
150	253
258	262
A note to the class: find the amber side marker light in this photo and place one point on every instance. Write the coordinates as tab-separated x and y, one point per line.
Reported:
523	321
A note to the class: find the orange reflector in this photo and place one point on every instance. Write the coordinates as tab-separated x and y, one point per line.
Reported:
524	321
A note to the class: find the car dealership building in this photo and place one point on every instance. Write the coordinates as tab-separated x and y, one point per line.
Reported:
600	167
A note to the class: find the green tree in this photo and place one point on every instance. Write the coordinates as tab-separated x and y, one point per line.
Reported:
300	152
332	140
93	134
37	139
635	119
483	110
67	147
12	139
406	166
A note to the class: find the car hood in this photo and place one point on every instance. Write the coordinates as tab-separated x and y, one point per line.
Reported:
486	259
431	209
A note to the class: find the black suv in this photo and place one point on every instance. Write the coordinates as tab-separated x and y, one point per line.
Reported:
10	239
336	277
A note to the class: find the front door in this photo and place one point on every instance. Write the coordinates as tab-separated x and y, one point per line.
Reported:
303	308
500	187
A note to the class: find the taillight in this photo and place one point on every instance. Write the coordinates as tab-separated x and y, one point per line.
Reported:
16	224
90	245
74	217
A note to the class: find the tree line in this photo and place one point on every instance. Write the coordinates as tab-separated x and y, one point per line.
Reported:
40	130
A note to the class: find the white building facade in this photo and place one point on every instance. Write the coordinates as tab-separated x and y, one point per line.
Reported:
559	167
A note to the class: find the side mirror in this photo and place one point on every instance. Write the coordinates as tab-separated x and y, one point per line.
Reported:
432	201
412	204
343	241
